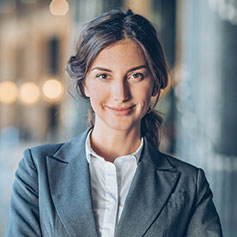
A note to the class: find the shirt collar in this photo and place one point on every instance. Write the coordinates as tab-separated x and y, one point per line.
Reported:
90	152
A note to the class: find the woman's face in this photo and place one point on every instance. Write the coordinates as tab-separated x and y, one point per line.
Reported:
119	86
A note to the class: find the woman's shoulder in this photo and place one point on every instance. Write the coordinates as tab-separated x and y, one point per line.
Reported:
179	163
37	155
169	162
45	149
189	173
63	151
185	168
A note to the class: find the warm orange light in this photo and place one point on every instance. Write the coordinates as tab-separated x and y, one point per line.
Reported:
29	93
59	7
53	90
8	92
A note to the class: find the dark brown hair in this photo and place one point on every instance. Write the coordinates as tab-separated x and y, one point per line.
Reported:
109	28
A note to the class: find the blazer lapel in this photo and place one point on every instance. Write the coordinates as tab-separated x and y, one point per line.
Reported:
69	181
152	185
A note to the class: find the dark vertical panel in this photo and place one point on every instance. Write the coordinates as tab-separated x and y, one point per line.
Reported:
54	56
228	116
53	121
19	65
164	15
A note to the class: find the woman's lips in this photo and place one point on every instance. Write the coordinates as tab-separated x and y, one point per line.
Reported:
121	110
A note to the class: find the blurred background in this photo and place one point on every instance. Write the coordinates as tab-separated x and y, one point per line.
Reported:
39	104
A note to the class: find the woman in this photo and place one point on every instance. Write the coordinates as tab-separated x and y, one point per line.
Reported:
111	180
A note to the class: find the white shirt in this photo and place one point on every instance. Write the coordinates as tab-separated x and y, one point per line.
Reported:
110	183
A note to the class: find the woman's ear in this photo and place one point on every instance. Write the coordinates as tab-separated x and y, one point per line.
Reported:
86	91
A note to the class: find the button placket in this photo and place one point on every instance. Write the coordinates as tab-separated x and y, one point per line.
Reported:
111	196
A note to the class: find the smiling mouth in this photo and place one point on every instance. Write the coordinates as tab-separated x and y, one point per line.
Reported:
121	111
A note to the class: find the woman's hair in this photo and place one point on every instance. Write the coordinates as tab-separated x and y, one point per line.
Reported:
109	28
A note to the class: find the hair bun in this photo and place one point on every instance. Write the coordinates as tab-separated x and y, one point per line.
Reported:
129	12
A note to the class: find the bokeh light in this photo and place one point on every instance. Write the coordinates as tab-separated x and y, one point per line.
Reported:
52	90
59	7
29	93
8	92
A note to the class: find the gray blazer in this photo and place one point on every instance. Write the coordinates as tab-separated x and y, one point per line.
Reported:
52	196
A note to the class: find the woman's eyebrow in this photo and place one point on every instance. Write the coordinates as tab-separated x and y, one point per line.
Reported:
136	68
101	69
108	70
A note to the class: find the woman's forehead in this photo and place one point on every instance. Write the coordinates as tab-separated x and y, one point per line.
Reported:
121	53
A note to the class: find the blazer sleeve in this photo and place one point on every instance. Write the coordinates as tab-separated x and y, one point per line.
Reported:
204	220
23	217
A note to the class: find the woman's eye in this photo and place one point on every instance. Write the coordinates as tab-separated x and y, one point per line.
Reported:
102	76
137	76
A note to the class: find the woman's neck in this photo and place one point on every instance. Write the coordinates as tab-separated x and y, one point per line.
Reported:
110	143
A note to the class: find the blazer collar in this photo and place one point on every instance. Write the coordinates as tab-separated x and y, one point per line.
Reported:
69	179
72	149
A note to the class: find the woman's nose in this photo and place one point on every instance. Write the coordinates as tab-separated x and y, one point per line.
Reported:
121	91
